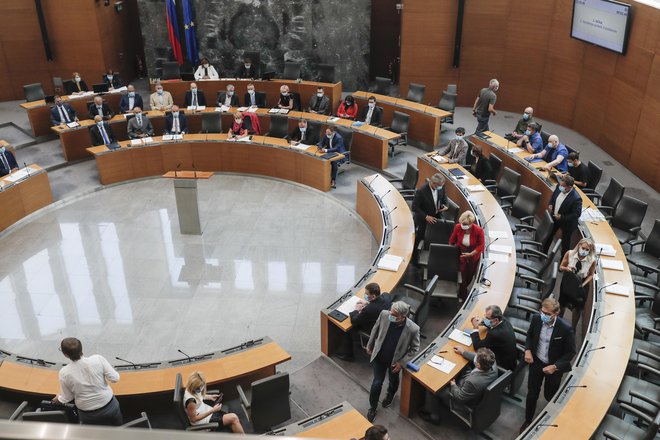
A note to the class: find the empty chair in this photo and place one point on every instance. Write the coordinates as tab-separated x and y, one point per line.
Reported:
180	411
595	173
171	70
453	210
615	428
314	131
536	288
524	206
638	392
347	134
383	85
495	164
439	233
291	70
326	73
211	123
443	262
33	92
416	92
628	218
266	402
68	86
419	300
507	187
45	416
400	123
610	199
540	233
534	262
279	126
648	258
647	318
448	104
645	352
297	105
407	185
141	422
451	88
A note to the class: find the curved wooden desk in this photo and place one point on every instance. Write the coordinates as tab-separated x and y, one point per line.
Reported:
425	120
579	411
339	422
24	196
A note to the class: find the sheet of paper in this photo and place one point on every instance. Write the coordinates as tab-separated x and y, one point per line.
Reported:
136	142
20	174
333	119
219	109
72	124
349	305
439	159
502	249
618	290
497	234
441	364
300	146
167	137
177	137
253	109
500	258
274	110
147	140
476	188
515	150
605	249
242	109
460	337
243	139
592	215
390	262
611	264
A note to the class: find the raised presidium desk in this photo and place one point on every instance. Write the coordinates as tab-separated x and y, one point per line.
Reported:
587	392
369	145
425	120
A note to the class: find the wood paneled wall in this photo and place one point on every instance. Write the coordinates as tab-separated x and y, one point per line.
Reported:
85	36
611	99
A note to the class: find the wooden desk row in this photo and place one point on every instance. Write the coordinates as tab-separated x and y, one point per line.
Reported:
339	422
579	411
369	143
425	120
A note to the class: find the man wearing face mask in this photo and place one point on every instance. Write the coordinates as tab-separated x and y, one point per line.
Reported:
247	70
254	99
531	139
332	142
101	132
62	113
139	126
7	161
319	103
205	70
371	114
100	108
549	348
428	205
555	154
129	100
112	79
301	134
495	333
176	122
161	100
456	150
228	97
195	97
393	342
521	126
578	170
565	206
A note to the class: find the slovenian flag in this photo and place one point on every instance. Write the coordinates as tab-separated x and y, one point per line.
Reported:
173	30
190	34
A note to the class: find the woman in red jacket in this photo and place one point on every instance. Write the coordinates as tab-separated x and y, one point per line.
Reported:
348	108
469	238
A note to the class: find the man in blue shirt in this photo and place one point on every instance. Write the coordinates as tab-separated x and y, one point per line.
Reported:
555	154
531	139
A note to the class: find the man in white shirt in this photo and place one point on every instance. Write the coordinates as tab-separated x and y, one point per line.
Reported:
85	381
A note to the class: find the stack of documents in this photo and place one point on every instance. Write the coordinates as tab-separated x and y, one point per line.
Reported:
441	364
300	146
592	215
199	108
224	108
476	188
605	249
390	262
611	264
618	290
283	111
438	158
460	337
515	150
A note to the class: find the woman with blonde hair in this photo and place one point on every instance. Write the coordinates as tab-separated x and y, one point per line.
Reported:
578	265
76	86
469	238
200	412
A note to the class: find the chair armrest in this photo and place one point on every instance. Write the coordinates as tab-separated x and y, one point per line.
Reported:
523	308
406	191
531	243
650	330
490	182
244	400
530	299
507	197
646	268
526	228
635	412
386	128
609	436
532	279
204	427
644	398
143	418
414	288
16	414
408	196
395	180
526	219
607	209
534	253
647	354
491	187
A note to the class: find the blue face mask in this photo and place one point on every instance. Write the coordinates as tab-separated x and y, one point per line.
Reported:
160	92
525	116
527	132
487	322
131	94
549	145
329	136
2	150
392	318
571	165
459	137
199	390
545	318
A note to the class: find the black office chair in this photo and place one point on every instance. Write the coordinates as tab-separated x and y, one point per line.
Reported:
255	57
448	104
266	403
524	207
628	218
407	185
539	233
180	411
595	173
33	92
647	259
544	135
495	164
279	126
297	104
517	374
419	301
443	262
291	70
646	353
171	70
534	262
383	85
610	199
400	123
438	233
453	210
507	187
141	422
327	73
68	86
614	428
451	88
647	319
313	132
416	92
211	123
347	134
638	392
535	288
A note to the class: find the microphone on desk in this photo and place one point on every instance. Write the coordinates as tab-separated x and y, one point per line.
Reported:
372	180
392	230
27	170
177	168
392	210
491	217
128	362
476	295
540	425
493	241
189	358
383	196
592	349
605	287
573	386
602	316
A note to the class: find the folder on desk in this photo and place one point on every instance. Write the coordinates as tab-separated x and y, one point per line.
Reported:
390	262
457	172
536	159
618	290
349	305
72	124
136	142
197	108
515	150
113	146
330	155
441	364
611	264
476	188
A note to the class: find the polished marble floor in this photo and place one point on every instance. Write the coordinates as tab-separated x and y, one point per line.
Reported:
112	269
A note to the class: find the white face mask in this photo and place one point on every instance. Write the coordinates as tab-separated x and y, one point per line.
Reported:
159	91
465	227
206	66
238	121
100	123
320	95
110	77
247	66
175	114
303	129
251	92
194	90
77	78
372	104
583	252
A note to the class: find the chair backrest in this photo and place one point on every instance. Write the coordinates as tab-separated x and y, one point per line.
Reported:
453	210
270	402
595	173
211	122
438	232
314	131
517	378
46	416
422	314
451	88
488	409
255	57
400	122
68	86
443	262
629	213
410	177
33	92
416	92
652	245
509	182
496	164
291	70
160	61
142	422
448	101
544	137
297	106
552	255
526	202
570	285
178	402
279	126
383	85
544	227
327	73
347	134
171	70
613	193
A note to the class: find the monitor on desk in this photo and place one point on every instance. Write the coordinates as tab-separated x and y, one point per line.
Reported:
100	88
267	76
188	77
49	99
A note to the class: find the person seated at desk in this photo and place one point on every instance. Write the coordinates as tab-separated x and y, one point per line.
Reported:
429	202
100	108
62	113
101	132
364	317
348	108
199	412
228	97
176	122
78	86
252	99
579	266
194	97
371	114
494	332
469	238
286	100
376	432
112	79
319	103
456	150
481	168
521	126
531	139
139	126
8	162
555	154
300	135
240	126
468	389
578	170
129	100
247	70
333	142
205	70
160	99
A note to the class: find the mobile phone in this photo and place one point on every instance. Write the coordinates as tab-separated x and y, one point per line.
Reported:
219	398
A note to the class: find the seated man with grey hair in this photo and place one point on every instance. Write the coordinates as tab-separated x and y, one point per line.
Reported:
228	98
393	342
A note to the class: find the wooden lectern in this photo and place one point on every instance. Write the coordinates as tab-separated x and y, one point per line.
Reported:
187	206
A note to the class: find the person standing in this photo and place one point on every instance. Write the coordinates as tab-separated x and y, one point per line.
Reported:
565	207
484	105
579	266
469	238
428	205
85	382
333	142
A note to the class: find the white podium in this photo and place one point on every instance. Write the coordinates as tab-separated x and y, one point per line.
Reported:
187	206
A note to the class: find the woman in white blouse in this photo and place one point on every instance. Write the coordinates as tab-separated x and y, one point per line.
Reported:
200	412
578	265
205	70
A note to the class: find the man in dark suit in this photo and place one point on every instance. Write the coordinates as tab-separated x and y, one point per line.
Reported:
228	98
176	122
364	317
100	108
62	113
371	114
332	142
565	207
301	134
495	333
194	97
7	161
428	205
252	98
101	132
319	103
247	69
549	348
112	79
130	100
